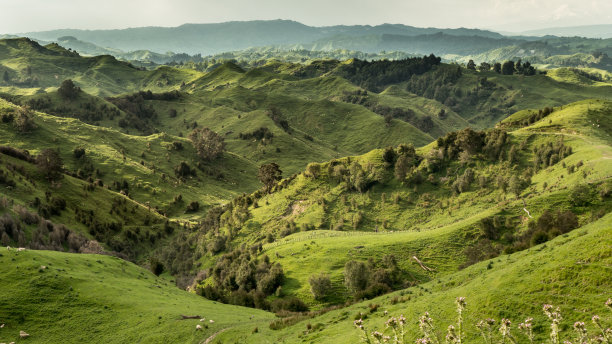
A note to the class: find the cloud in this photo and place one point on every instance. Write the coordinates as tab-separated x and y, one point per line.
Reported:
33	15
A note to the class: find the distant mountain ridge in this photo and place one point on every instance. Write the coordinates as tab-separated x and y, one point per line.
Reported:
590	31
221	37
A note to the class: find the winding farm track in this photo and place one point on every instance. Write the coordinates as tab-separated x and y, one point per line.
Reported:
212	337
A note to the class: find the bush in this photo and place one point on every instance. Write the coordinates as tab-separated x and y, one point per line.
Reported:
581	195
68	90
291	304
78	152
356	275
156	266
193	207
320	286
539	237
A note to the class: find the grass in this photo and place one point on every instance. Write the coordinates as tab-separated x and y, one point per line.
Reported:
427	220
117	156
80	298
570	271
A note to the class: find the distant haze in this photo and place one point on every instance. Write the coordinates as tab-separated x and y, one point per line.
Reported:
17	16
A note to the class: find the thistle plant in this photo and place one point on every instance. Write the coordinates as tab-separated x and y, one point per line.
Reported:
486	329
582	336
397	326
454	333
428	329
451	335
504	329
526	328
460	301
364	334
554	315
606	334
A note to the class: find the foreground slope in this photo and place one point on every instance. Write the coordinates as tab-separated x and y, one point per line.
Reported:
571	271
75	298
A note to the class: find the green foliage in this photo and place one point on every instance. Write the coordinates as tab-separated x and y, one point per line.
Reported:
50	163
269	175
68	90
320	286
208	144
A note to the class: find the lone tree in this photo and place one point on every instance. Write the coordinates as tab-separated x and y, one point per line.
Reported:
508	68
269	174
208	144
471	65
6	77
320	286
356	275
68	90
50	163
23	121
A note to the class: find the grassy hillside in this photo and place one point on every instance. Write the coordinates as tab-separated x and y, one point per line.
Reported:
33	68
146	163
74	298
570	271
324	217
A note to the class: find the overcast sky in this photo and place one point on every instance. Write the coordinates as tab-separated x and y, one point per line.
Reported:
512	15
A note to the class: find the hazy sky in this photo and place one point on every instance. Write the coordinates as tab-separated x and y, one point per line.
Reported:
514	15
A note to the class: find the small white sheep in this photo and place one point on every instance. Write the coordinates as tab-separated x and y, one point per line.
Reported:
203	319
1	325
211	321
23	334
198	327
8	248
21	249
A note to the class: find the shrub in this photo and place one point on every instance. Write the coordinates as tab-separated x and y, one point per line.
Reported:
291	304
581	195
78	152
320	286
156	266
208	144
356	275
193	207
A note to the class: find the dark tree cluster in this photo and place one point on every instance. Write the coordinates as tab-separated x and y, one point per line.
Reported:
366	280
183	170
68	90
261	134
533	117
375	75
269	175
50	164
424	123
277	117
17	153
550	153
510	68
46	236
140	114
437	84
88	111
240	278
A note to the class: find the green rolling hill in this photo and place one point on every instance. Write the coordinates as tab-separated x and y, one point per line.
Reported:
404	184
